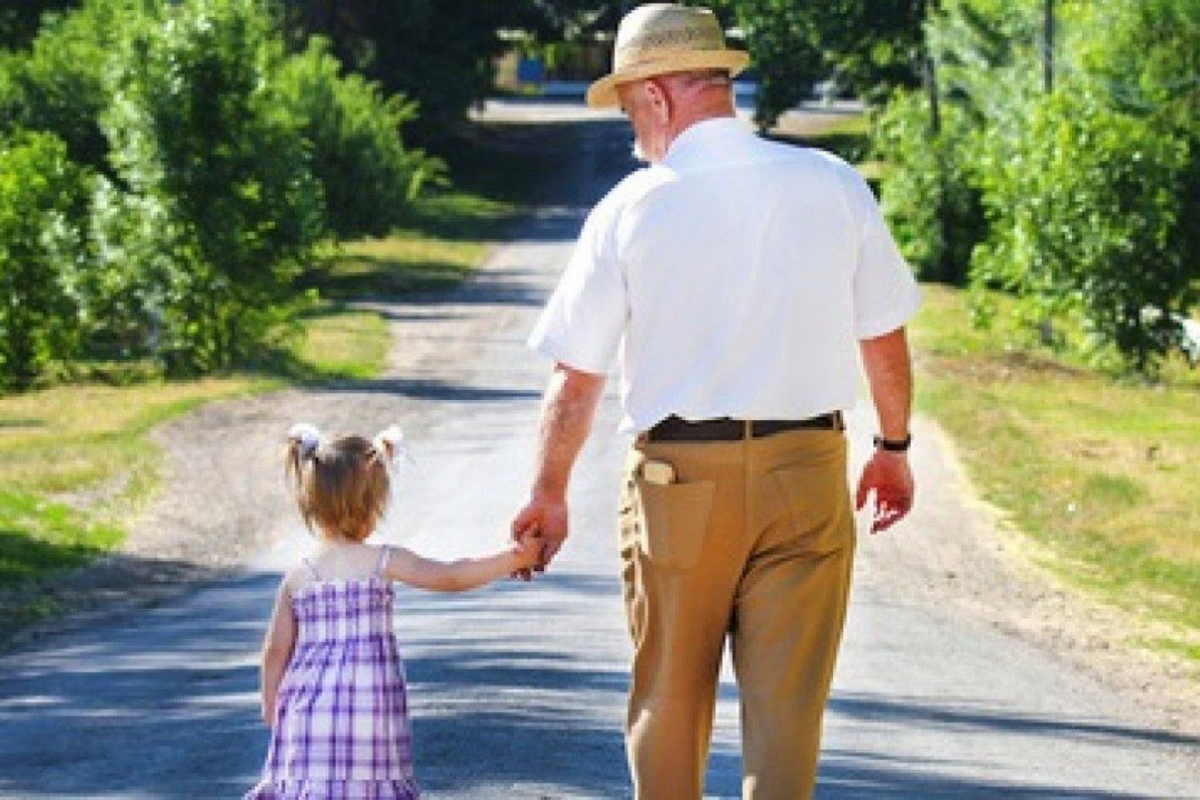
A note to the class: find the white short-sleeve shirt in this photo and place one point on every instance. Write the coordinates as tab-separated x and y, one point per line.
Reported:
733	279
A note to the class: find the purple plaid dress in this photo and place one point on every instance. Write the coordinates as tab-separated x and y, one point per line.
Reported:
341	718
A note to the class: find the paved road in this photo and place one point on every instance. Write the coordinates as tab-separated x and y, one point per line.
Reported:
517	691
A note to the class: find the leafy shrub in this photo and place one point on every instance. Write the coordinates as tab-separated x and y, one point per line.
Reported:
58	84
225	205
1085	217
368	176
438	53
928	191
43	205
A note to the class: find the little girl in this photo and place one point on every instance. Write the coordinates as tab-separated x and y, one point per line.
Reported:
332	683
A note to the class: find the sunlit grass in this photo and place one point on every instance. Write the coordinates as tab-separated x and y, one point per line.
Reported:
75	459
1100	470
447	239
344	343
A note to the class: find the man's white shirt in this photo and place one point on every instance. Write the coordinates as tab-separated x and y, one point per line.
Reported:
733	279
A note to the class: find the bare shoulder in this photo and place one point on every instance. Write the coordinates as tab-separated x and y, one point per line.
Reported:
405	565
292	581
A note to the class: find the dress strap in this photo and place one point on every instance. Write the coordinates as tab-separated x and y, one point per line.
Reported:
385	553
312	570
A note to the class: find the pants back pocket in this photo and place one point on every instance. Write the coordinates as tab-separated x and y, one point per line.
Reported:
673	521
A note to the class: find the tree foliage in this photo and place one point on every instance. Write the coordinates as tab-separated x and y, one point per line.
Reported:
58	85
199	137
868	47
930	193
43	202
436	53
177	165
1086	218
1088	190
369	178
19	22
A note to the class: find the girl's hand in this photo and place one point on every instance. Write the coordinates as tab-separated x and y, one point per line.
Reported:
527	552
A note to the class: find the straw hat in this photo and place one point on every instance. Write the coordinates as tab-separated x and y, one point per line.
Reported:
660	38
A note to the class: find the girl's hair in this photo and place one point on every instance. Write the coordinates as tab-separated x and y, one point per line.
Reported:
341	487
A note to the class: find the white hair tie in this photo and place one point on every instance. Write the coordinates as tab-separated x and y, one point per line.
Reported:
390	445
307	436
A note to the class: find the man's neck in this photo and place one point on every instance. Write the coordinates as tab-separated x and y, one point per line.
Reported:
688	121
718	108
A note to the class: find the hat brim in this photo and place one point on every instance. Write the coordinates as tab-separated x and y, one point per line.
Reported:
603	92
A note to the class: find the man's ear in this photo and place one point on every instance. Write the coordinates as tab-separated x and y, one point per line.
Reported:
660	101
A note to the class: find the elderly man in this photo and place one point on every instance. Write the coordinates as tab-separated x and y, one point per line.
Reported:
735	278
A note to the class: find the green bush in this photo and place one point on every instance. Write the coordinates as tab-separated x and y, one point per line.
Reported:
1085	217
20	24
368	176
928	191
43	206
438	53
58	84
224	206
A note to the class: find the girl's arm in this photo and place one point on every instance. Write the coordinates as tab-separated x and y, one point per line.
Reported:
277	650
407	567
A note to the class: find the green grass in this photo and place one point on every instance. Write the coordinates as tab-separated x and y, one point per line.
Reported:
1099	471
441	243
75	459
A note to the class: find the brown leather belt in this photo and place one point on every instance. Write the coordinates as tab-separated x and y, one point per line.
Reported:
676	429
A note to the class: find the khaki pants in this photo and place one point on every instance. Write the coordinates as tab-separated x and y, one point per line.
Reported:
754	539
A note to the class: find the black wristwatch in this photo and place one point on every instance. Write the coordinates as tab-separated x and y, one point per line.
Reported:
893	445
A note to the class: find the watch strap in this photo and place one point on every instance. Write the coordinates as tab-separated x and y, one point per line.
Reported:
893	445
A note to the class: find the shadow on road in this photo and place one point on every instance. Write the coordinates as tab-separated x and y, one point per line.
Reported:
848	775
539	712
971	717
177	698
434	390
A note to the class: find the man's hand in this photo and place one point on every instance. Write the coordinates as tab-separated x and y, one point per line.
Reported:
544	516
890	478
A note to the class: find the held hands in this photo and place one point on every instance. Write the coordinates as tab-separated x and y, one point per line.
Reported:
544	520
888	475
527	552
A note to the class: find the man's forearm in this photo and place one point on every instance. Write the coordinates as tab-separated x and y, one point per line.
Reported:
568	408
888	366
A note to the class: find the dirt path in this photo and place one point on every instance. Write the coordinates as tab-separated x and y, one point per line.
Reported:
961	674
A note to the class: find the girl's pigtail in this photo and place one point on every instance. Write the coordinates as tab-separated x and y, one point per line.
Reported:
388	447
303	442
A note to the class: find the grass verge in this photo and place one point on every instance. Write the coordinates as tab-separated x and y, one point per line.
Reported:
75	459
1100	472
442	243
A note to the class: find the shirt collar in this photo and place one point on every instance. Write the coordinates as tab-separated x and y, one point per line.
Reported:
706	140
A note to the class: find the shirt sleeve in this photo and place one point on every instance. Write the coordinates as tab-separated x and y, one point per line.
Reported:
584	320
886	295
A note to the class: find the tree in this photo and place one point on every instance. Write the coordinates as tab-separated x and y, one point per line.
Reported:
19	25
368	177
43	203
220	172
436	53
929	190
870	47
58	83
1086	218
